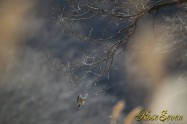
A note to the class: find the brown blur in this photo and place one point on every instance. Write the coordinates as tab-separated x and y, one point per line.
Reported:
118	108
130	117
12	15
149	56
151	53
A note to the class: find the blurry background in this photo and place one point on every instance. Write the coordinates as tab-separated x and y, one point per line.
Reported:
33	93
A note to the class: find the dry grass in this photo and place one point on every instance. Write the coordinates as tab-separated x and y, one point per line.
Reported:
117	111
130	117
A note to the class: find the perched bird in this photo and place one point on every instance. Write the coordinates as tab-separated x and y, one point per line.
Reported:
80	101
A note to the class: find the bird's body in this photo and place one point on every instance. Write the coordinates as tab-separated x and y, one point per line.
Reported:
80	101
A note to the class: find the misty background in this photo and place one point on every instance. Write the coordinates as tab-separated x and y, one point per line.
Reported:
32	92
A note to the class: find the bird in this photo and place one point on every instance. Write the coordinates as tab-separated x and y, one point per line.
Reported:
80	101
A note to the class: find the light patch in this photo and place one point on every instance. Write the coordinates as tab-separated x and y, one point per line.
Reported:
12	17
